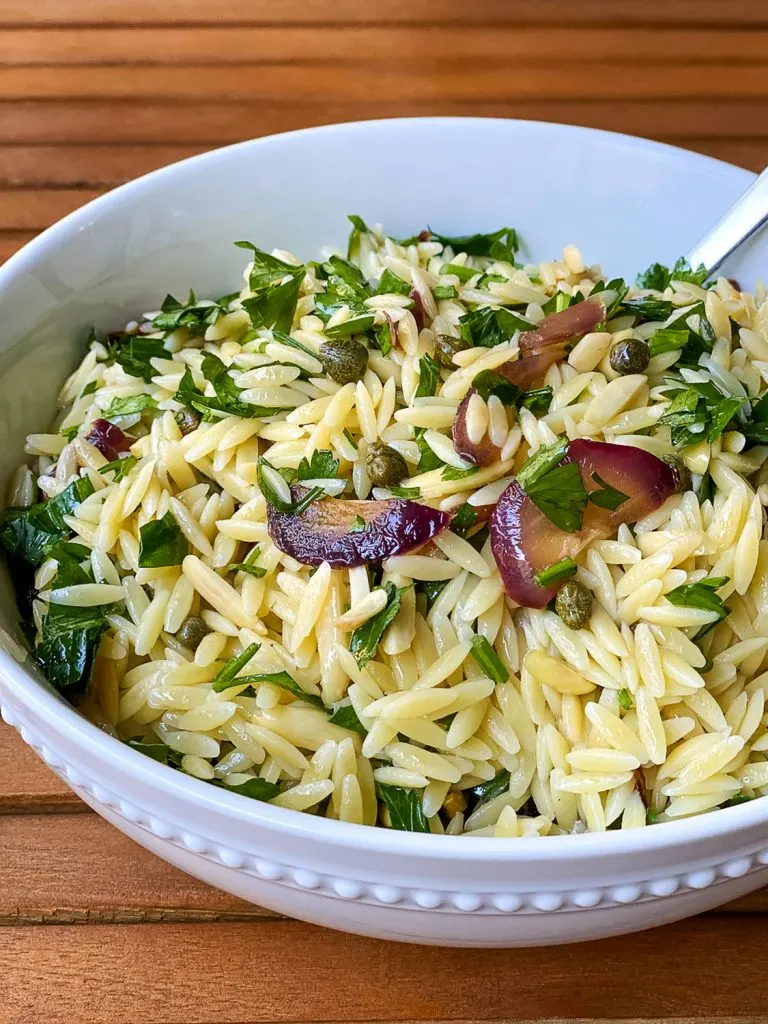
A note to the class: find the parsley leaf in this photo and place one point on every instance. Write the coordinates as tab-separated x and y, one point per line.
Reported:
464	517
492	788
489	326
701	595
405	810
497	245
606	496
284	681
699	412
560	495
345	286
537	400
427	458
412	493
129	406
546	458
345	716
276	286
322	465
294	507
365	639
29	533
162	543
227	401
120	467
625	700
196	316
491	382
133	352
444	291
647	309
429	377
657	277
249	566
255	789
391	284
451	473
668	340
225	676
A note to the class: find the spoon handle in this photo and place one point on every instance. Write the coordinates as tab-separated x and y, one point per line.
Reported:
747	215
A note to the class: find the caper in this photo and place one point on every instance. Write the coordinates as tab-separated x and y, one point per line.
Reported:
446	347
385	466
187	421
192	631
344	360
574	604
682	473
630	356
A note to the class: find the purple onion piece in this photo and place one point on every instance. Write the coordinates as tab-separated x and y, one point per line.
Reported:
109	439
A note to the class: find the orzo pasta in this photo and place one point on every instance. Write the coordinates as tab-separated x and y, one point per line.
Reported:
421	536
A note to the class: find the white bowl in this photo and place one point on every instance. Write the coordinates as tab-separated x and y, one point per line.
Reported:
626	202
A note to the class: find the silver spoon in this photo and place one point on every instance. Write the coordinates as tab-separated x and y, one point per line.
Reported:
744	219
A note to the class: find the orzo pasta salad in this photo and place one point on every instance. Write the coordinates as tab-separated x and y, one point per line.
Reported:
421	536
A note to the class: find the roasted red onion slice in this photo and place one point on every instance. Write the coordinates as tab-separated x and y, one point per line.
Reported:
109	439
524	541
350	533
568	324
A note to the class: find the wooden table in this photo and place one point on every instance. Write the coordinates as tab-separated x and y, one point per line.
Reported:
92	928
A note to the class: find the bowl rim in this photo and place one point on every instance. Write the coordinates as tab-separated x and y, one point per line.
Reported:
47	706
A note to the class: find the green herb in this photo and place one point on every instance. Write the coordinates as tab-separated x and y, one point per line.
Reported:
129	406
358	524
256	789
285	339
699	412
668	340
429	377
701	595
556	572
560	301
29	533
537	400
647	309
383	335
444	291
293	507
70	636
281	679
89	388
432	589
227	401
322	466
427	458
489	326
391	284
625	699
358	324
70	432
491	382
657	277
162	543
404	805
365	639
463	273
560	495
756	427
492	788
159	752
345	286
134	352
406	492
651	816
345	716
249	566
451	473
546	458
196	316
617	285
464	517
738	798
496	245
488	660
226	675
350	438
606	496
120	467
276	286
359	227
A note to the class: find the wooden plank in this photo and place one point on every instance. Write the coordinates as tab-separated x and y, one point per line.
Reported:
26	784
345	12
83	166
286	971
11	242
146	122
32	209
88	872
320	82
506	43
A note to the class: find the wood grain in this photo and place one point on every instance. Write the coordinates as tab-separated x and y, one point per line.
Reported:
26	785
506	44
285	971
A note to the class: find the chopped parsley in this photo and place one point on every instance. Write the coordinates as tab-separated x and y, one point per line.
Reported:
606	496
488	661
365	639
488	326
556	573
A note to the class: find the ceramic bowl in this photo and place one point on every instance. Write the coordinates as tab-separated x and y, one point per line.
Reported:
625	202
